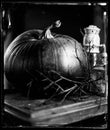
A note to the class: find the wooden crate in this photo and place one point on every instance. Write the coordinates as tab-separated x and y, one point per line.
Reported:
54	113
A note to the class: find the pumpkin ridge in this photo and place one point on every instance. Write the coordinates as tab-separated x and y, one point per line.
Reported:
80	61
62	45
56	51
71	44
54	56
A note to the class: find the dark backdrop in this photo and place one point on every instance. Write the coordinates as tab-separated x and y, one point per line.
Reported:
74	18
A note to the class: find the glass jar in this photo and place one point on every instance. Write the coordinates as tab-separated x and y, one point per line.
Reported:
91	39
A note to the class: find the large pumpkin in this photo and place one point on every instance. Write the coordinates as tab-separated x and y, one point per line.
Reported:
44	51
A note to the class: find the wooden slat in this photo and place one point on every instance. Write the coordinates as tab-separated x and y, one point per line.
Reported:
71	117
70	113
67	108
56	114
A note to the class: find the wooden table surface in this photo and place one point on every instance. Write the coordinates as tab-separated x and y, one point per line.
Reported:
52	114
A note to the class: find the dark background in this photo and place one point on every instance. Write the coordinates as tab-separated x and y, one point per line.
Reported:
74	18
25	16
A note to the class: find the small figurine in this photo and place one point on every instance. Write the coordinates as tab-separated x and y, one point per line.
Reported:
91	41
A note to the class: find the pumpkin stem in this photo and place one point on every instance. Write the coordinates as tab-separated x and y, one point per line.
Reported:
47	32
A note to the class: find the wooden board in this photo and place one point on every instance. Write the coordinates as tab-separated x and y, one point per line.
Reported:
52	113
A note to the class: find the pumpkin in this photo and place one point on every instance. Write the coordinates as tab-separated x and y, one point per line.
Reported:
44	51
